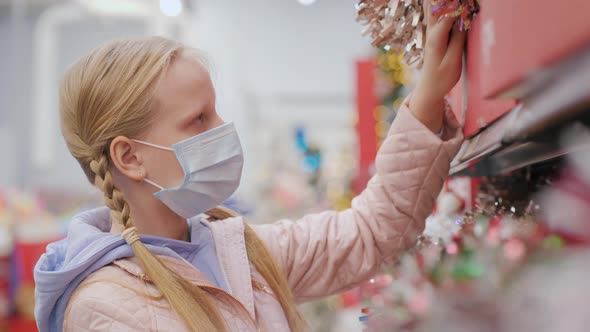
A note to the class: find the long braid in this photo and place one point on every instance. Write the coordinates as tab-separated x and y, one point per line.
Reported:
113	197
163	278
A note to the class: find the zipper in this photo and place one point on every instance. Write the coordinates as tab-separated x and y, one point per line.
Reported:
262	287
236	300
204	285
220	290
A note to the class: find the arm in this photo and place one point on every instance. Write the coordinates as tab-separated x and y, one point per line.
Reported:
325	253
329	252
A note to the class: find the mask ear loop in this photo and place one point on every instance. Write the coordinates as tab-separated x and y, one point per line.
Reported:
157	147
153	145
153	183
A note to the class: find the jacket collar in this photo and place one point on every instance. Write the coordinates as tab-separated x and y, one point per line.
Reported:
233	259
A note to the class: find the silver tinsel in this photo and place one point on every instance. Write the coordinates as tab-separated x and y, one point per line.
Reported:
395	24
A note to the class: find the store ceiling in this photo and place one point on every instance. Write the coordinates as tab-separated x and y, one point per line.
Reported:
7	3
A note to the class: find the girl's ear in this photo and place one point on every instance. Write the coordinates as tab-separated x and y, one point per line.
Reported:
126	159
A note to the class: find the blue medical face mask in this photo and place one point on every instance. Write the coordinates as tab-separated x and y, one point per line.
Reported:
212	163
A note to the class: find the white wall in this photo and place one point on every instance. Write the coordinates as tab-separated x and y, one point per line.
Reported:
277	63
274	63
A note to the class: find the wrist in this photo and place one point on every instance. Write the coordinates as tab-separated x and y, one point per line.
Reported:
428	109
426	98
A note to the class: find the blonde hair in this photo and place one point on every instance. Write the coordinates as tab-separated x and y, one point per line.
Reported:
109	93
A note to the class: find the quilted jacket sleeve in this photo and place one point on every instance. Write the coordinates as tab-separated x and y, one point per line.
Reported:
330	252
102	303
88	314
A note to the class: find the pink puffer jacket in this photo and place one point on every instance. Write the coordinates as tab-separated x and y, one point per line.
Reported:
320	254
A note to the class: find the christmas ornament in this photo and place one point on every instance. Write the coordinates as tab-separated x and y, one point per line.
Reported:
394	25
398	24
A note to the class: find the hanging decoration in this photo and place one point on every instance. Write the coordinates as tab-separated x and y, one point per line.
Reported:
311	155
399	24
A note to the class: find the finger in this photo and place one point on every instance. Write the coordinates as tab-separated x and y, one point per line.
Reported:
429	20
453	56
438	37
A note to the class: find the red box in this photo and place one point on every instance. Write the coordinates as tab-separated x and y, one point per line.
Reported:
480	111
519	37
366	102
26	257
23	325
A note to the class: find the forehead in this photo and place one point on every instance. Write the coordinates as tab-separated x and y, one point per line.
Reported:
184	86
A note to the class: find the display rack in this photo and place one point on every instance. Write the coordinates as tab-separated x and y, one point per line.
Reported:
554	102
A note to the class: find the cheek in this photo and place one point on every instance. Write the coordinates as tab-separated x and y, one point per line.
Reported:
163	168
218	121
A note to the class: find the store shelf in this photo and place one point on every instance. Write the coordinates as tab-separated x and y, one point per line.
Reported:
557	102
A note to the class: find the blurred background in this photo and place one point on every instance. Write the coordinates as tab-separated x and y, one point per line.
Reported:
312	100
284	72
282	65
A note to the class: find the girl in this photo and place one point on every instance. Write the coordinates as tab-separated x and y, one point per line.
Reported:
139	116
